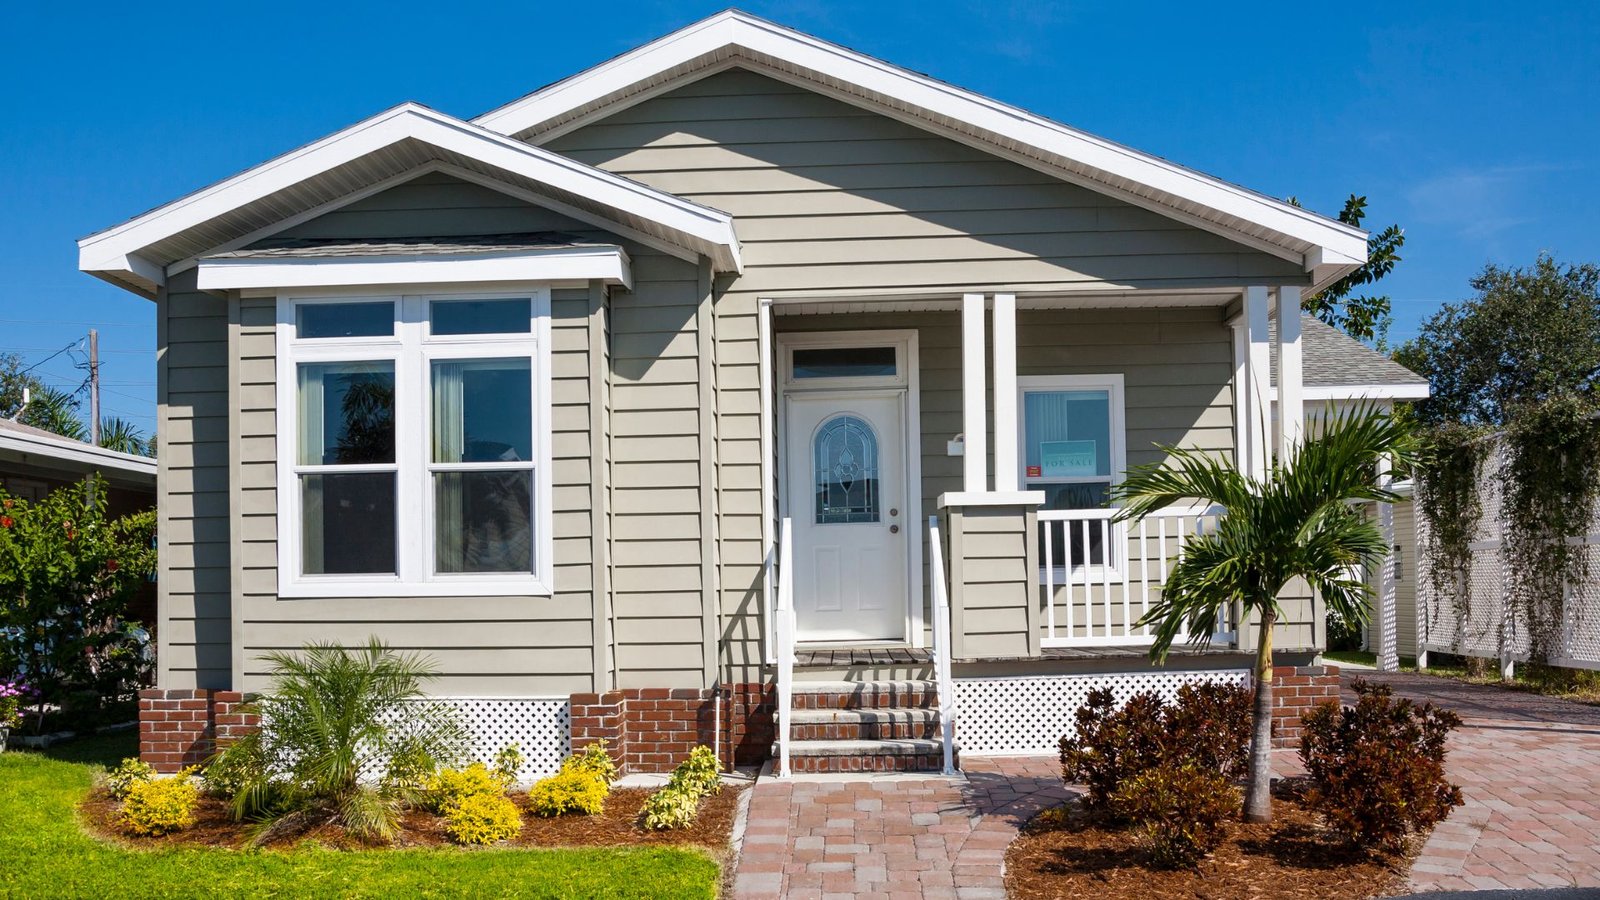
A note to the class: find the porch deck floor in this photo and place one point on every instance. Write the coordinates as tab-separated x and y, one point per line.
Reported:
902	656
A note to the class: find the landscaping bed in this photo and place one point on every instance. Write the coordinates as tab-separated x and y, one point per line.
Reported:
615	826
1294	857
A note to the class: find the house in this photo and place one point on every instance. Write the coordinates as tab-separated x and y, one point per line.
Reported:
631	401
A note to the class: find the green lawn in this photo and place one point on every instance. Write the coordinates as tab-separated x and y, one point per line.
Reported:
44	853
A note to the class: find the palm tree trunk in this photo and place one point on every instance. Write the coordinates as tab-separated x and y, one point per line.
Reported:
1258	795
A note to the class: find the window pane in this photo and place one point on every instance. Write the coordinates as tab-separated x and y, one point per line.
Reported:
346	413
348	523
327	320
484	521
480	316
482	410
845	471
844	362
1067	434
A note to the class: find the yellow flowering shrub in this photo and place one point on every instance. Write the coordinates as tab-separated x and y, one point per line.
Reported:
483	819
446	788
160	806
572	790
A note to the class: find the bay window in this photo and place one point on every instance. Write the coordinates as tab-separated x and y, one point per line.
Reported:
416	458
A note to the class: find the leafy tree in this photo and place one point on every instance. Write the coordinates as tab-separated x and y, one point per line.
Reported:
345	739
1530	335
1298	523
67	575
61	412
1363	316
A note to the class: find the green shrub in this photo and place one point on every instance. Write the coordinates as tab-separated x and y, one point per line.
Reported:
224	777
1181	807
483	819
446	788
508	764
571	790
1209	726
1377	768
673	806
160	806
596	760
347	737
129	772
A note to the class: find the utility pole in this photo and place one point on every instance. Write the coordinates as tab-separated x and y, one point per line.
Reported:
94	387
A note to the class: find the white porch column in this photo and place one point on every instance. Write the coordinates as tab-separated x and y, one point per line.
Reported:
1291	376
1005	394
1388	645
974	415
1257	385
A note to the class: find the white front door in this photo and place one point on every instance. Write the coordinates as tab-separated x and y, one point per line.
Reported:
847	499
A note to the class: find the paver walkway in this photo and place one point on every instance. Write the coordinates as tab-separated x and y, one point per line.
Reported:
1529	768
892	837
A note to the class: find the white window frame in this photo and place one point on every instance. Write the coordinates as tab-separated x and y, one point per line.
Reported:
1112	383
412	349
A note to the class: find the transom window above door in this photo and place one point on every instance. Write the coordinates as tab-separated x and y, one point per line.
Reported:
414	445
853	360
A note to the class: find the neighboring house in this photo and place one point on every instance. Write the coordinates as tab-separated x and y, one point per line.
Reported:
34	462
540	393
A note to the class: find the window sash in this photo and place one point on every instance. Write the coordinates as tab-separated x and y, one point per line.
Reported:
1112	385
411	350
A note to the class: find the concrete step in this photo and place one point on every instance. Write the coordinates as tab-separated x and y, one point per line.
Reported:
907	755
863	724
865	695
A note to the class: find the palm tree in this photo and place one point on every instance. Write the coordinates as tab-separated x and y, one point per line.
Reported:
123	436
55	411
1300	522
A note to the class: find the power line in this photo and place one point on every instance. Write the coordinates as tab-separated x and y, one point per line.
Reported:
50	357
83	324
44	349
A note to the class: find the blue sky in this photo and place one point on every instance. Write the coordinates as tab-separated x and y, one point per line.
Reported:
1473	125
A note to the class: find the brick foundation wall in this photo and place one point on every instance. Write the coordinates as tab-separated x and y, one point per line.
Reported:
653	729
183	727
1296	690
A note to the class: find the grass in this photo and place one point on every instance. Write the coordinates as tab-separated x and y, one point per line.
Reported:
44	853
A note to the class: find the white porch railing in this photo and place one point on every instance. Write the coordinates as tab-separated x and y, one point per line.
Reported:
941	645
1100	577
783	636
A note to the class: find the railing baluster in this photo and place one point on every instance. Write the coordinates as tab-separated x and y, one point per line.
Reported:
1088	590
1049	578
1127	611
1105	570
1144	572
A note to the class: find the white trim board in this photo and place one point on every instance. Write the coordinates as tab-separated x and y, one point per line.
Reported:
1361	392
1324	246
116	252
63	449
608	264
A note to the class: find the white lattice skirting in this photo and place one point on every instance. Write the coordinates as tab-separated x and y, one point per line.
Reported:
1032	714
542	727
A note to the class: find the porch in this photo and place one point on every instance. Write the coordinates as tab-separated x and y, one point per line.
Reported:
1015	569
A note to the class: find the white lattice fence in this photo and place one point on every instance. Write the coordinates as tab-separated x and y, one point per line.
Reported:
541	727
1479	623
1032	714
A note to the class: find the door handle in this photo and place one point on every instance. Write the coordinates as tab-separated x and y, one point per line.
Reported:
894	529
894	512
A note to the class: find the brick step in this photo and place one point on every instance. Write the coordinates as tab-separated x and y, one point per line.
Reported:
903	755
865	695
863	724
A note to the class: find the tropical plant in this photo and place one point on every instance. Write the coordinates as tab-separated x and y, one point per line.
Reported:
67	574
1299	522
124	437
1181	807
55	411
1377	768
345	738
675	805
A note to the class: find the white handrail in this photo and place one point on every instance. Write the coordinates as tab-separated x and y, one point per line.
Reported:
783	631
941	646
1105	575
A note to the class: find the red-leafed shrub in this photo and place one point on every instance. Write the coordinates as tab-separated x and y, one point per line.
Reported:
1182	808
1377	768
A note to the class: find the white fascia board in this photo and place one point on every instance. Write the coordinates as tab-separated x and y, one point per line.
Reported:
1362	392
990	498
711	229
740	31
86	455
609	264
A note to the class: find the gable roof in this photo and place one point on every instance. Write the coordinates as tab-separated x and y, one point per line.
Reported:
1327	249
35	446
1336	366
375	153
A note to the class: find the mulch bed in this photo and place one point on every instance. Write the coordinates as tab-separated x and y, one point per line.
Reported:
214	826
1294	857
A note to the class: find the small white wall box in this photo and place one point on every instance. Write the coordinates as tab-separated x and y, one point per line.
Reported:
956	446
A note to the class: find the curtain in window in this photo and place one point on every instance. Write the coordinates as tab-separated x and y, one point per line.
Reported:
449	445
308	422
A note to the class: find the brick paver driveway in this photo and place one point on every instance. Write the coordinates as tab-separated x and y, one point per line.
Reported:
1530	769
